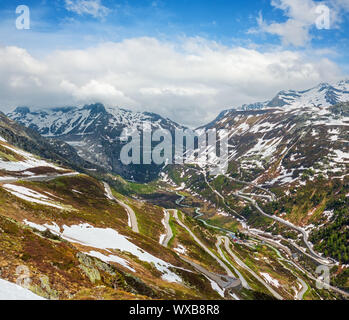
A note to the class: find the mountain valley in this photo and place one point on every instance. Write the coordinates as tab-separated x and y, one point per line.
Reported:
75	223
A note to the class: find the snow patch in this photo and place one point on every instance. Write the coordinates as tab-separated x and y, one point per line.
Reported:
105	239
111	258
30	195
180	249
12	291
270	280
216	287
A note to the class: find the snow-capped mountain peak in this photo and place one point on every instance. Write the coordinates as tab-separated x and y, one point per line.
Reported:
93	130
321	96
54	122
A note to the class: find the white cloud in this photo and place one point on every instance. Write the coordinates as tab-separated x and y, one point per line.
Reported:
95	91
89	7
302	16
295	31
190	81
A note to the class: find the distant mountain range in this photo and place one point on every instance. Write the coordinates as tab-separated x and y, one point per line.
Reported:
94	131
323	95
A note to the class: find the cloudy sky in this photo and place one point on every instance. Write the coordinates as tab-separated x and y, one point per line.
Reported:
184	59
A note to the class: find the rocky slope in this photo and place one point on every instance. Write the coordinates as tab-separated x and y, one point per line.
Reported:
32	142
63	235
296	147
67	235
299	154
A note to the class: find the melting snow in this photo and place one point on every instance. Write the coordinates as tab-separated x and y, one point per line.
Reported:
180	249
99	238
30	195
269	279
341	156
328	214
264	148
30	162
111	258
222	213
216	287
12	291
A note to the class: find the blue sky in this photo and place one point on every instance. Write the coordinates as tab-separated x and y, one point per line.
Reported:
277	36
224	21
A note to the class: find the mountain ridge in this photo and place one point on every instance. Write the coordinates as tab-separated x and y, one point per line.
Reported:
324	94
94	131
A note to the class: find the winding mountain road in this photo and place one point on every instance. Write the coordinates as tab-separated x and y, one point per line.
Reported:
246	196
133	224
168	229
225	282
305	288
220	196
226	242
242	279
241	263
251	184
207	250
319	259
274	244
